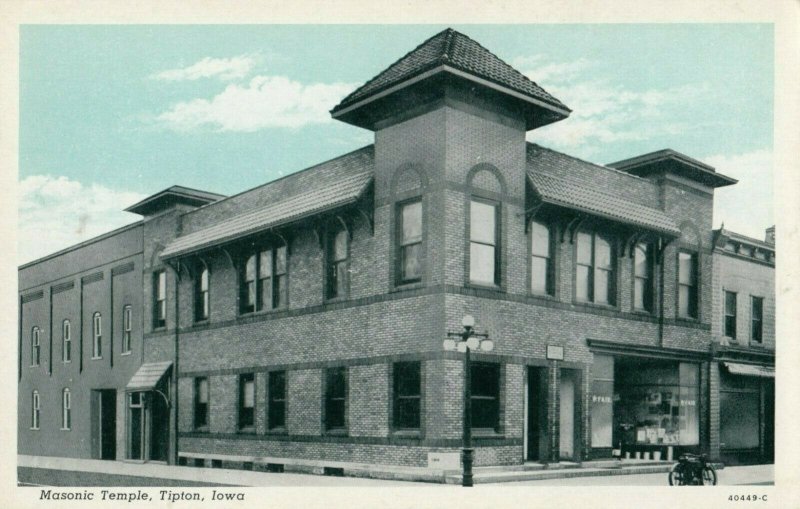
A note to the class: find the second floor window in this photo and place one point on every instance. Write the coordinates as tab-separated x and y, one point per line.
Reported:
201	302
687	285
407	395
36	346
247	400
276	408
97	335
159	299
756	319
336	399
729	324
127	319
410	242
483	243
200	402
541	259
337	256
66	409
263	280
595	279
66	341
643	277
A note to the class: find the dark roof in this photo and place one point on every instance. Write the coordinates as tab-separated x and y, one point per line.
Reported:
457	51
172	196
670	160
335	185
743	239
578	196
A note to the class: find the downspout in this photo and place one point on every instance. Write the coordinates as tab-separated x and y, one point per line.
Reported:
111	319
174	395
50	333
80	336
662	250
19	351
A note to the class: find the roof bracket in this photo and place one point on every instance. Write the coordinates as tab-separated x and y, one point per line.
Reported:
662	247
229	257
368	217
348	226
318	233
530	214
572	227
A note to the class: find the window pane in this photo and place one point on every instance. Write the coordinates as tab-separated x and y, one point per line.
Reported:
482	263
738	415
683	300
266	293
602	253
582	283
248	394
250	269
162	285
602	278
686	268
202	390
280	260
204	280
336	383
412	266
730	303
540	240
407	413
341	277
407	378
412	222
482	222
265	267
758	306
280	292
641	266
584	248
485	379
539	275
340	245
638	293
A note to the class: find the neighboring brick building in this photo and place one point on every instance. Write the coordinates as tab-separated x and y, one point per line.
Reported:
300	323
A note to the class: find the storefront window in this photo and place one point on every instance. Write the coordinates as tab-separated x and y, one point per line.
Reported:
602	400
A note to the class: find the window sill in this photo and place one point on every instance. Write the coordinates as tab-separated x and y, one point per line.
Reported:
33	366
687	319
260	312
596	305
34	429
411	285
642	312
67	362
126	353
247	430
277	431
65	429
484	286
406	433
338	298
97	358
337	432
201	429
486	433
199	322
159	328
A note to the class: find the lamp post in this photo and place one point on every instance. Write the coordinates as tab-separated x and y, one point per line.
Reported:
468	340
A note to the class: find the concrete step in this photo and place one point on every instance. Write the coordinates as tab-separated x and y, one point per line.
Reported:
512	476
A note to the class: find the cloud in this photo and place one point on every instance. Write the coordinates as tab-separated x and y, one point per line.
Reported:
222	68
264	102
745	207
56	212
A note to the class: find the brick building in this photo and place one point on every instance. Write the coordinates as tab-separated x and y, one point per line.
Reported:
300	323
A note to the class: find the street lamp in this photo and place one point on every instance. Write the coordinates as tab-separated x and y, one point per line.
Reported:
468	340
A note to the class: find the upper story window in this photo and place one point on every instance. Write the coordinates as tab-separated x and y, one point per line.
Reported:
687	285
159	299
66	341
337	256
66	410
410	242
247	400
484	266
729	324
36	346
407	395
336	399
541	259
595	278
276	407
756	319
127	325
643	277
200	402
201	300
35	410
97	335
263	280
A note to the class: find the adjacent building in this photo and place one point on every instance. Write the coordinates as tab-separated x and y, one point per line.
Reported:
299	325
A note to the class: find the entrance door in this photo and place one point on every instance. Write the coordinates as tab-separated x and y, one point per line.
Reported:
105	427
567	415
136	426
159	436
536	413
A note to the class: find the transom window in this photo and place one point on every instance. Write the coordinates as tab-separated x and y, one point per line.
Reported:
643	277
729	323
127	324
336	399
483	242
756	319
410	242
687	285
407	395
36	347
159	299
97	335
264	280
596	259
337	254
276	408
247	400
66	341
66	410
541	259
201	297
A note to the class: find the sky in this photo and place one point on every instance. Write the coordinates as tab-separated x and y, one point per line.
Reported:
112	114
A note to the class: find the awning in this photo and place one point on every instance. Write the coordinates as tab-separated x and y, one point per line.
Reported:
750	370
344	192
148	376
572	195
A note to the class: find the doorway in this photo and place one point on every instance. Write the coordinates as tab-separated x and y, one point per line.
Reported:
536	414
104	424
566	416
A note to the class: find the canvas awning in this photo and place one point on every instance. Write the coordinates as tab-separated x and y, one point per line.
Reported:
148	376
565	193
750	370
346	191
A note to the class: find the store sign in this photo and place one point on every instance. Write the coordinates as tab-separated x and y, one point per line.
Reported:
688	402
597	398
555	353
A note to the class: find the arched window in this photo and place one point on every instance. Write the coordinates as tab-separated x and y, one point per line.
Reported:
541	259
337	254
127	325
97	334
36	348
66	341
201	302
35	410
263	280
66	410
